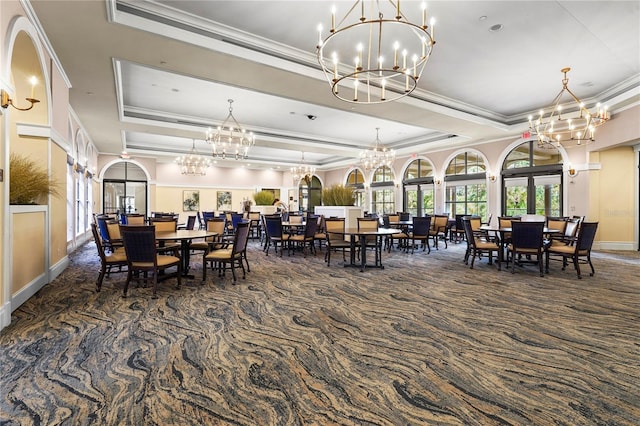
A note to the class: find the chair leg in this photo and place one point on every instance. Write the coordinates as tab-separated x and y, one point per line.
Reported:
577	266
126	285
103	271
155	285
593	271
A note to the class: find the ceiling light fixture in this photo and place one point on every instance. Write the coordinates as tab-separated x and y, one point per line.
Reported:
389	54
576	127
5	100
377	156
193	164
230	138
303	171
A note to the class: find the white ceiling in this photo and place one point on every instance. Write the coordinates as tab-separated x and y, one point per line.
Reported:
150	76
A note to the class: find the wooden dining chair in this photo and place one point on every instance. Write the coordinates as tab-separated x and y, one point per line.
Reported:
373	242
526	240
216	242
478	245
275	234
420	232
143	257
334	228
579	252
305	239
166	224
108	261
231	257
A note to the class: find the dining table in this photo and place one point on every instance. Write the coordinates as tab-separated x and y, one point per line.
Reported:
502	230
360	235
185	236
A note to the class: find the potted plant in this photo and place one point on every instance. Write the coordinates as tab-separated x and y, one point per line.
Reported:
338	195
263	198
338	201
29	183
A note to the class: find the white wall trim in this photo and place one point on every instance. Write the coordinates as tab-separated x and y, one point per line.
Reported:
614	245
28	291
58	268
5	315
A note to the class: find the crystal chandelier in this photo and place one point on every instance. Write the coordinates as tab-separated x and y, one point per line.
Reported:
377	156
572	128
303	171
230	138
193	164
374	59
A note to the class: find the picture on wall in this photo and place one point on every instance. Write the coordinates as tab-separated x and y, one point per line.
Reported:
190	201
224	200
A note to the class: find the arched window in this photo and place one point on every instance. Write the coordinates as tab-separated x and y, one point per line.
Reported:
124	189
382	193
355	180
466	185
418	185
532	180
310	194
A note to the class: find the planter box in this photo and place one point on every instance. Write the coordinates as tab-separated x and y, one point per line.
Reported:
350	213
264	209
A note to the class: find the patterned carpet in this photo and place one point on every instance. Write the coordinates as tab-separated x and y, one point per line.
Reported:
426	341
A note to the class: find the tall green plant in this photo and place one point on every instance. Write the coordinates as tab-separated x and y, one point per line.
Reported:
29	183
263	198
338	195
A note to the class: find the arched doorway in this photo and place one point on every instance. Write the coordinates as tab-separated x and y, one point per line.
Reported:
124	189
309	193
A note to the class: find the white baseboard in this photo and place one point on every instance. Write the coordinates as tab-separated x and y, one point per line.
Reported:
28	291
5	315
58	268
614	245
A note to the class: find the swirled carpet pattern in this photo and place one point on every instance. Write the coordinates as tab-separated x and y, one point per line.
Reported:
425	341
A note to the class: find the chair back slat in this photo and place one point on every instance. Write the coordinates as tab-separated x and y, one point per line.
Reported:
527	235
139	243
163	225
274	226
421	226
191	222
241	238
586	236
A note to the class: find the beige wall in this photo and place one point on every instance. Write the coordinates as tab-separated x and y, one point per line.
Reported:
612	195
169	199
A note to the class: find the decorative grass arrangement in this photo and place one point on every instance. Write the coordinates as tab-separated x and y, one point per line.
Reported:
263	198
29	183
338	195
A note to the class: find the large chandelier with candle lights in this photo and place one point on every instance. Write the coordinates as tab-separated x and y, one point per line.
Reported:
570	124
374	54
302	171
193	164
230	139
377	156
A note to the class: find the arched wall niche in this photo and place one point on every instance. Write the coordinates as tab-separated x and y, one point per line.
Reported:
24	59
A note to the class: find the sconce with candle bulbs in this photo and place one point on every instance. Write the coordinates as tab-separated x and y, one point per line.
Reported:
5	100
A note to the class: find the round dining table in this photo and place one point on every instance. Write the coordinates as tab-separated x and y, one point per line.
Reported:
185	236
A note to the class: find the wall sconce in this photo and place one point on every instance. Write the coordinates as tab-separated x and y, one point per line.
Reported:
572	172
493	178
438	181
5	100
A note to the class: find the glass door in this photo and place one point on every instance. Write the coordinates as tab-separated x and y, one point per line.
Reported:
516	193
548	198
411	199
